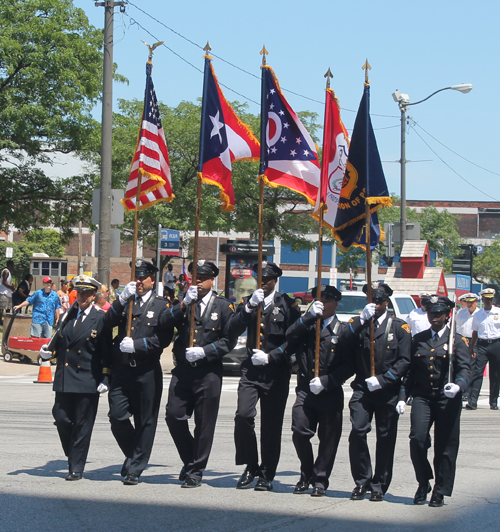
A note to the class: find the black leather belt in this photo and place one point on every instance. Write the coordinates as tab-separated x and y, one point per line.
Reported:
481	341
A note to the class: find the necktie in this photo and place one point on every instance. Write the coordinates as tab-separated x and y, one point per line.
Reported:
435	339
79	320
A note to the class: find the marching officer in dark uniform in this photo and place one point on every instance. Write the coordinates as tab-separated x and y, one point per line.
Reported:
197	377
82	349
265	375
374	394
436	400
320	400
137	382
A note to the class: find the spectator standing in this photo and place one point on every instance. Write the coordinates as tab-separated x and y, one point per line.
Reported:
6	289
72	292
115	283
182	286
169	280
64	295
23	290
46	305
105	305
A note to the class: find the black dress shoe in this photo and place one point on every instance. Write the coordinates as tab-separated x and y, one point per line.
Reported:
358	493
182	474
246	480
131	480
376	496
263	485
493	407
301	487
437	500
318	492
470	406
74	476
191	483
421	493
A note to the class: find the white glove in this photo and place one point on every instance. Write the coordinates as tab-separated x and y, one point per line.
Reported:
259	358
102	388
44	354
368	312
127	345
257	297
400	407
195	353
315	385
317	309
191	295
128	291
373	384
451	389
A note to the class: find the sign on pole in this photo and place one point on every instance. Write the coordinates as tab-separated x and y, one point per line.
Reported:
9	252
170	242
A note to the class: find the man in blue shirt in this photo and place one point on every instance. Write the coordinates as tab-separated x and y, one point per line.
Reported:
46	305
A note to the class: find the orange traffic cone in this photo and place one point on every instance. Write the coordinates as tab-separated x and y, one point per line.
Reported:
44	374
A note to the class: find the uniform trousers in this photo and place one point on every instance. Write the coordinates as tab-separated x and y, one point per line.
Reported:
74	415
135	391
322	412
363	405
444	413
272	393
486	353
194	389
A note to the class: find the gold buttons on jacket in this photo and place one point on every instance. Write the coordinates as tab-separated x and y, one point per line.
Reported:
431	375
196	331
67	350
66	364
79	352
431	358
132	328
194	341
431	367
432	350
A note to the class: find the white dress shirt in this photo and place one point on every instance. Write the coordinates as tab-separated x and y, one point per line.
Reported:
487	323
418	321
463	321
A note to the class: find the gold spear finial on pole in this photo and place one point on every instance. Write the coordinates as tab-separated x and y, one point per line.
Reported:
207	49
152	48
263	53
328	76
366	67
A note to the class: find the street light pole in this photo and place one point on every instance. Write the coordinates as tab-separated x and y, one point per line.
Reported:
403	101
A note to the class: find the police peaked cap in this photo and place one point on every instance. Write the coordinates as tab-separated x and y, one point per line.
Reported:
204	267
440	304
468	297
143	268
84	282
327	292
487	292
379	290
269	269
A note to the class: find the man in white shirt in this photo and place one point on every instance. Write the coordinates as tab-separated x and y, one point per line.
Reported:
485	347
169	282
417	318
463	322
6	289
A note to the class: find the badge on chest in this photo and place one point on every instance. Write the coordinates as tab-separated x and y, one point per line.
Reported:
390	337
150	314
214	316
276	311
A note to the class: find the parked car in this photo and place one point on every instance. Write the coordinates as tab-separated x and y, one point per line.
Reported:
232	361
352	304
303	298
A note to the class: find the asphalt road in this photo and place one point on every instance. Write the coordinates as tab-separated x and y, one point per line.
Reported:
35	497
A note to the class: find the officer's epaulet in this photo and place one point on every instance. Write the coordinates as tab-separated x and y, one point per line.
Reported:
466	341
232	307
351	320
406	327
164	299
242	301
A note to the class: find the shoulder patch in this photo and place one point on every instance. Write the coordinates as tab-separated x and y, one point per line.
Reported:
231	306
466	341
242	301
406	327
351	320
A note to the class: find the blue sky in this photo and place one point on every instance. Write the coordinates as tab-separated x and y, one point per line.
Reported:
415	47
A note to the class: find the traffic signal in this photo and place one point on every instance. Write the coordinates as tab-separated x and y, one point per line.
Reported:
462	264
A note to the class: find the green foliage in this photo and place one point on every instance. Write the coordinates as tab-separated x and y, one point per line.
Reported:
486	267
350	259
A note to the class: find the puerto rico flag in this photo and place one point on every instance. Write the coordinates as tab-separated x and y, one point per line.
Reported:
224	138
333	165
290	158
150	157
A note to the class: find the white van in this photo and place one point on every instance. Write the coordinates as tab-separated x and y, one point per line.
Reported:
352	304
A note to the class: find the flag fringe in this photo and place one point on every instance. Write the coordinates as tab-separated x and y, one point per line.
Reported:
160	183
362	246
383	201
276	185
224	198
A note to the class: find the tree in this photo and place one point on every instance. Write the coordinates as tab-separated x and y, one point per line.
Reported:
50	78
439	228
284	213
486	267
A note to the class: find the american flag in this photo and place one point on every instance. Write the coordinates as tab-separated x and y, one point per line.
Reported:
291	159
151	156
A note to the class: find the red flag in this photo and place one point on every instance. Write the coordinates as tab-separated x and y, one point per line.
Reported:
224	139
335	152
151	156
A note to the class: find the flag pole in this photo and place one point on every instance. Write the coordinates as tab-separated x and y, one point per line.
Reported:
328	76
367	67
263	144
198	189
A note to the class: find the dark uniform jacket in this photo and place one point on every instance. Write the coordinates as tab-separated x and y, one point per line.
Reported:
275	320
429	368
213	331
392	354
150	339
302	334
82	353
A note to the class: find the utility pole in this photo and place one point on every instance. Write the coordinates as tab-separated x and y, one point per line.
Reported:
104	266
